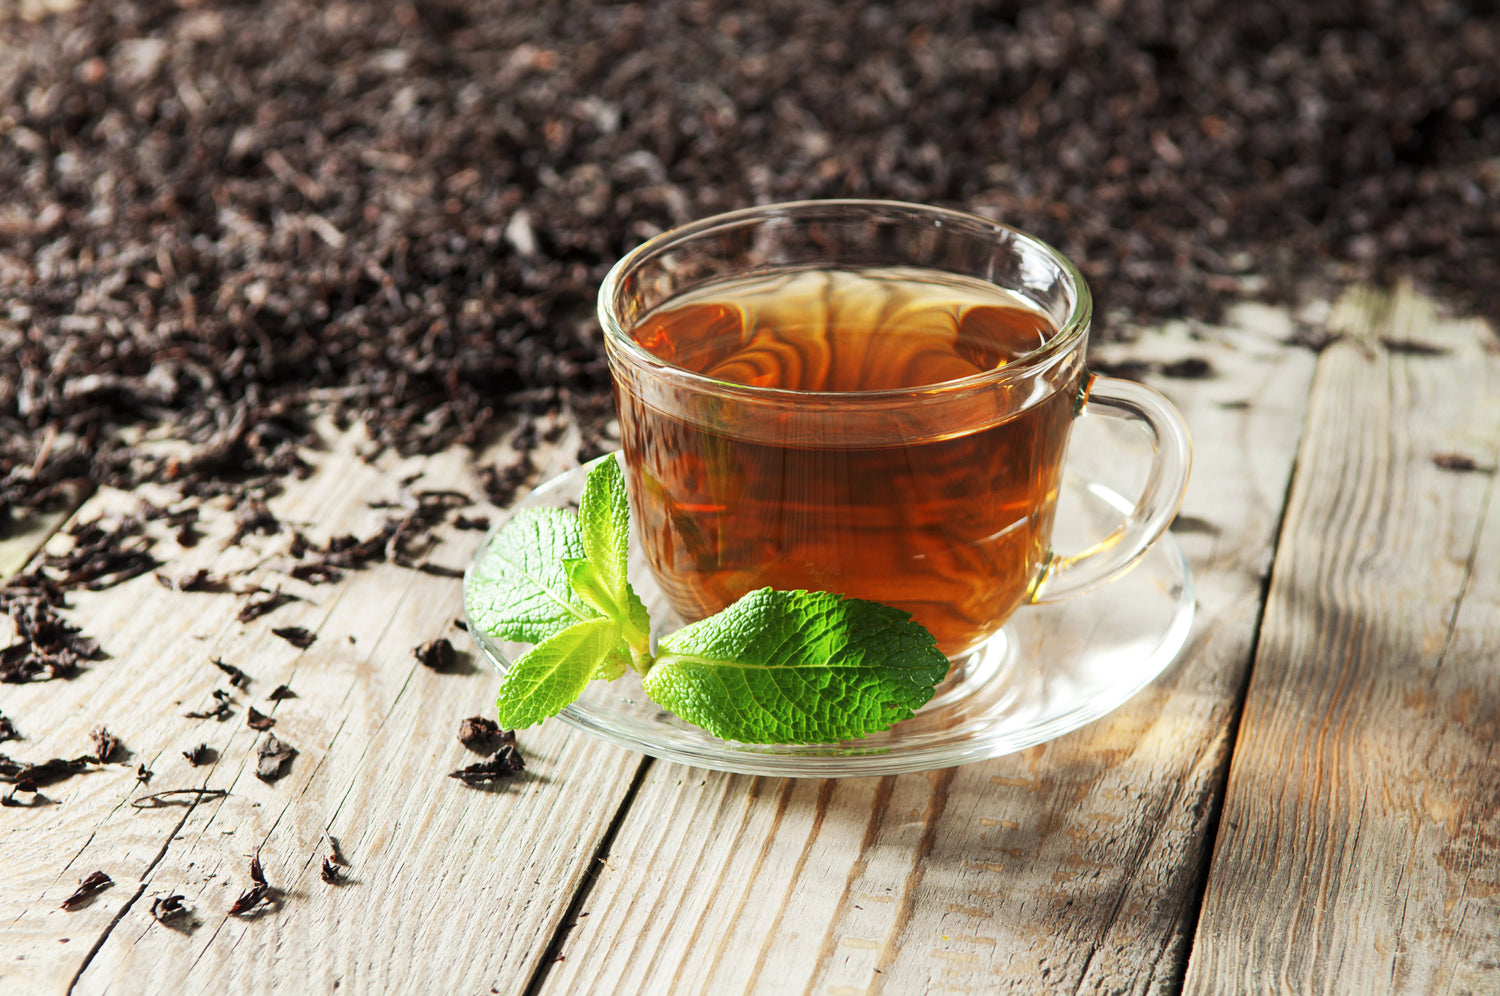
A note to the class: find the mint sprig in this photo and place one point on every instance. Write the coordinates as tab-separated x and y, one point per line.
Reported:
775	667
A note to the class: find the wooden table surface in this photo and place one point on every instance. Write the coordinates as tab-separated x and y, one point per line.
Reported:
1307	799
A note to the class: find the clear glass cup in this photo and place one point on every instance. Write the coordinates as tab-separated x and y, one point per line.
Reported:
935	496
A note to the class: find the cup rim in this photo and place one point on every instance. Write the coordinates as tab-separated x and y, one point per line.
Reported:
1067	337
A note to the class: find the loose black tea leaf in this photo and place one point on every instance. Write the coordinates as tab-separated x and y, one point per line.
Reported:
1192	368
509	758
501	483
103	554
188	535
437	654
143	774
267	602
237	678
298	547
105	744
257	720
484	736
169	909
257	873
221	710
297	636
251	518
1413	347
271	756
506	763
438	570
87	890
201	755
348	552
1124	369
478	522
332	873
281	692
7	729
45	646
46	773
1446	461
335	853
260	890
198	581
316	573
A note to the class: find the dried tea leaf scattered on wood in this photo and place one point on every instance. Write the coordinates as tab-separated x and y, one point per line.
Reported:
200	580
239	679
45	773
87	890
484	735
1413	347
1191	368
506	763
297	636
221	710
105	744
332	873
1456	462
271	757
169	909
259	891
437	654
267	602
253	518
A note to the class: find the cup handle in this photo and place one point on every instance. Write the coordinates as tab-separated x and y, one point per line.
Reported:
1172	456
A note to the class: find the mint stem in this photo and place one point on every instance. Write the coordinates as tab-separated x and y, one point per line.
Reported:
641	658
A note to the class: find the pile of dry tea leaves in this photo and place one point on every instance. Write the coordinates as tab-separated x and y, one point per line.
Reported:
221	219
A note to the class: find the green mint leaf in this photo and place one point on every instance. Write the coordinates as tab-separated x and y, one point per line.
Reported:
604	517
548	678
797	667
615	663
519	590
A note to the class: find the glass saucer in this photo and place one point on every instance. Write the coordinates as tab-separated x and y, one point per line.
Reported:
1050	670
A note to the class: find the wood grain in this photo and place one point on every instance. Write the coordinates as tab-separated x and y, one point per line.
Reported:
448	888
1074	865
1359	849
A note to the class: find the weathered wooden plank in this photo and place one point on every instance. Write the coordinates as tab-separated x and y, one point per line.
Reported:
450	888
17	549
1360	844
1074	865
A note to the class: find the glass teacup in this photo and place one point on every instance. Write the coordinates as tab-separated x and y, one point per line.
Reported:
870	398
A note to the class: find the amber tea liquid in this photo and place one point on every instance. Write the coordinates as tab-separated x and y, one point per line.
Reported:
944	511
